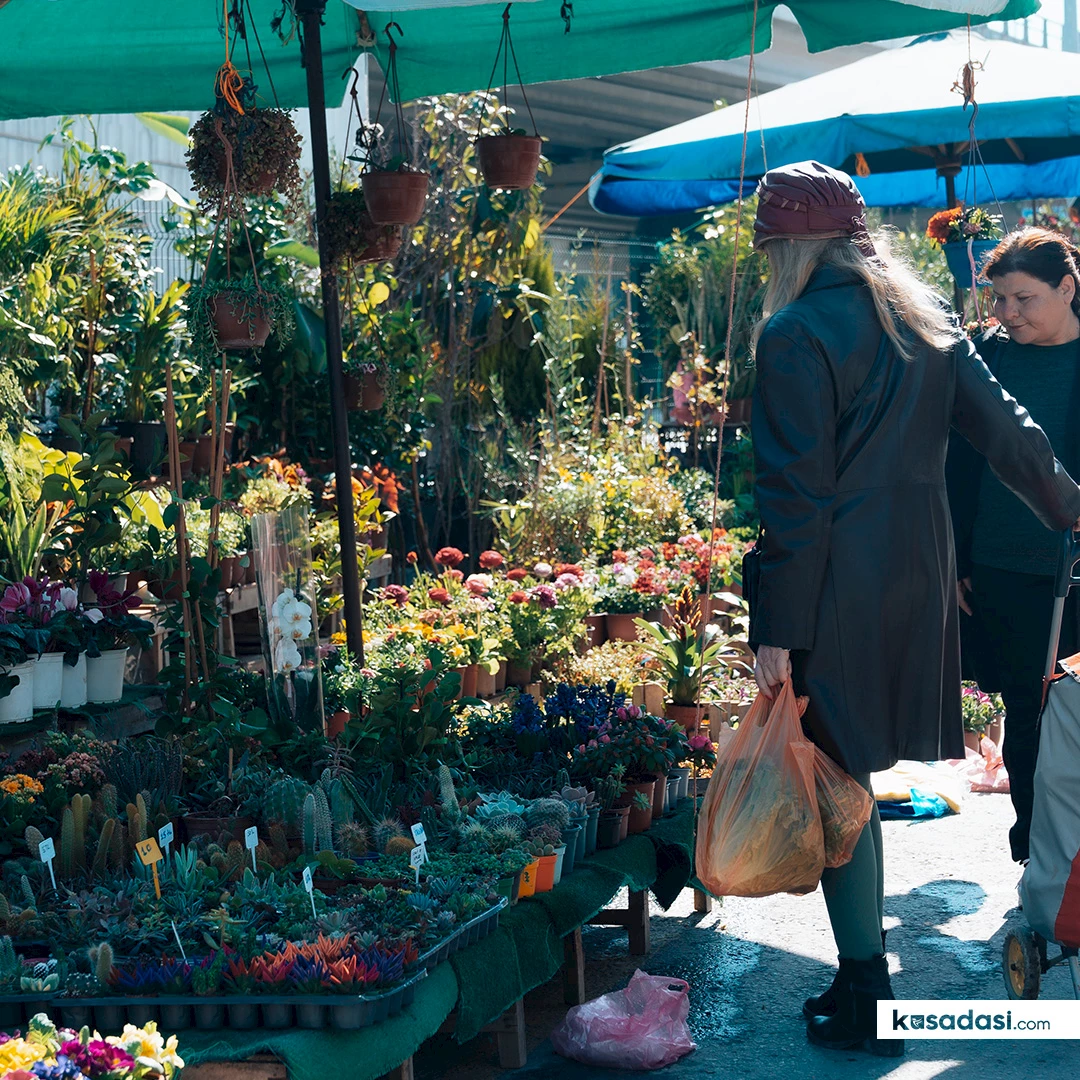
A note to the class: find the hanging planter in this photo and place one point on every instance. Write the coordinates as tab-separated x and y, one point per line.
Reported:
509	159
352	236
395	190
363	391
238	149
967	235
235	315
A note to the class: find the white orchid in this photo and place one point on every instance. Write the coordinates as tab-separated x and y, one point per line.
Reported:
287	656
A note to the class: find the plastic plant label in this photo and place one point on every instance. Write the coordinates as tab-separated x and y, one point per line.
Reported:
418	834
148	851
46	853
251	842
309	886
165	836
417	858
180	944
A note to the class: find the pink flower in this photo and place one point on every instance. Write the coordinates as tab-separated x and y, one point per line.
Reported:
455	575
605	738
479	584
398	594
16	600
439	596
567	581
449	556
700	742
545	596
491	560
542	570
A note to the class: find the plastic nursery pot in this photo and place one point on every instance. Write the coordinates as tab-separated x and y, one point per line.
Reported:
609	827
591	826
110	1017
209	1016
277	1014
176	1017
672	794
147	445
519	675
310	1015
142	1013
73	685
364	392
683	773
238	322
352	1016
71	1016
395	198
500	677
639	819
105	676
509	161
485	683
243	1016
689	716
528	879
659	800
596	630
621	627
583	827
48	680
545	873
335	725
560	863
19	704
570	840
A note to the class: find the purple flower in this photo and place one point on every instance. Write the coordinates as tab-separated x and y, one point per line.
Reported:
64	1069
96	1058
544	595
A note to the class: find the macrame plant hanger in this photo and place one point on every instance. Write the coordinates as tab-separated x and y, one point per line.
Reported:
506	53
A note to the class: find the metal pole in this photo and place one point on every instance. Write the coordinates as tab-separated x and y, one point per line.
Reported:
311	13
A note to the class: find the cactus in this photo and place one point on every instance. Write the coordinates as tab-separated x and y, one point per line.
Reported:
503	839
399	845
66	863
562	780
385	831
448	801
429	818
102	959
27	892
508	821
97	870
34	836
10	965
284	802
352	839
548	812
324	823
342	809
118	847
80	810
5	910
142	816
308	831
109	804
278	841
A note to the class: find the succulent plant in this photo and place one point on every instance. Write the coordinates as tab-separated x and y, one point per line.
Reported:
552	812
352	839
386	830
398	845
284	801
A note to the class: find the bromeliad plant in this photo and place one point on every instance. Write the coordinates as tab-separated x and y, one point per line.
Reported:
690	657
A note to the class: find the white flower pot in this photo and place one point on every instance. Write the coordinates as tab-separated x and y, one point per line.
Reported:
73	688
48	680
19	704
105	676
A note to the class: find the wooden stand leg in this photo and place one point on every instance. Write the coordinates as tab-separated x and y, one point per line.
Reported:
638	923
510	1033
702	902
573	968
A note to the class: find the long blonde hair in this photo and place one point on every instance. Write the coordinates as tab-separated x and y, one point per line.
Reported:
907	308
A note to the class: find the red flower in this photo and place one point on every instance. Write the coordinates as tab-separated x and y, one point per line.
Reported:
491	560
439	596
449	556
569	568
455	575
518	575
411	558
397	593
518	597
647	553
619	556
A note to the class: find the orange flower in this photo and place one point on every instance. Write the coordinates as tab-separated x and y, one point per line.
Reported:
519	574
938	227
518	597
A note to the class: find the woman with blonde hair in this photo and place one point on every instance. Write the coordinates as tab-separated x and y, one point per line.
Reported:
861	374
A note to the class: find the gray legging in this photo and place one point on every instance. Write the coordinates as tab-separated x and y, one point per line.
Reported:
855	892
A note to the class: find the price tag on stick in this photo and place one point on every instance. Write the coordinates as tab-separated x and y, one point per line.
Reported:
311	895
417	858
165	837
150	855
418	834
46	853
251	842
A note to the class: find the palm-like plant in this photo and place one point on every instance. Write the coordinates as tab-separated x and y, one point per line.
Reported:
689	655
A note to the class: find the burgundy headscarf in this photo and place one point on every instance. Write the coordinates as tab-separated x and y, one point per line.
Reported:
810	201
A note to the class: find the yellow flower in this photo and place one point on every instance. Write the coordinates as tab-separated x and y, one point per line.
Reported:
19	1054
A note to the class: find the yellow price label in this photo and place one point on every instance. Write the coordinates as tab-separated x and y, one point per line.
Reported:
148	851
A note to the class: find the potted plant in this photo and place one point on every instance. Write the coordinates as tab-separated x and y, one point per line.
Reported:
243	152
16	677
232	543
966	235
982	715
613	820
228	315
689	657
206	979
351	235
115	629
621	600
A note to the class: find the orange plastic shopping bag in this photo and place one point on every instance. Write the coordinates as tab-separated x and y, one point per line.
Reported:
759	830
845	808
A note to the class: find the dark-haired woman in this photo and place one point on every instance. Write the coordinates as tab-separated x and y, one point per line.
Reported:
1006	559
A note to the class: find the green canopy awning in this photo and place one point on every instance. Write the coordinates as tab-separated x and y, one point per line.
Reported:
452	49
120	56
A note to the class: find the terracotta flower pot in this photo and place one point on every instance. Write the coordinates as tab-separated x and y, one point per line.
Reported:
509	162
231	572
595	630
500	677
639	820
239	322
395	198
485	683
690	716
469	679
335	725
621	627
383	242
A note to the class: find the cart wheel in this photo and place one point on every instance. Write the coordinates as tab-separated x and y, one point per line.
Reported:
1021	964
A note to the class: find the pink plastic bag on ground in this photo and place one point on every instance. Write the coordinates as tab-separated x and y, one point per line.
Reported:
641	1027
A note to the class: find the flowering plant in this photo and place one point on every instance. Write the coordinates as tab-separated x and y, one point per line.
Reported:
700	753
980	709
960	224
290	624
113	624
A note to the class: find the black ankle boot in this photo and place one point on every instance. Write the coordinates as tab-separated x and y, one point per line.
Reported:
826	1004
854	1025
